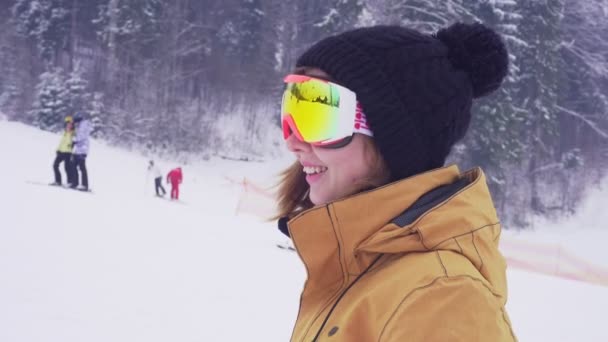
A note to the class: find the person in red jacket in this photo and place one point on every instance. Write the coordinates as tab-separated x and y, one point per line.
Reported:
174	177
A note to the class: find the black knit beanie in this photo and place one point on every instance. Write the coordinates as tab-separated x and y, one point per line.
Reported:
415	89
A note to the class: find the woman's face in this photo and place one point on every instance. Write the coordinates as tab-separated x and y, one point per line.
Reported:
335	173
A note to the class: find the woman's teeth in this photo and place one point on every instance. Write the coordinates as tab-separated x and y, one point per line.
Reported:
311	170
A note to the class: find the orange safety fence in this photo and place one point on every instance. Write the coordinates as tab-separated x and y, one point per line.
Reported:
551	259
548	259
254	199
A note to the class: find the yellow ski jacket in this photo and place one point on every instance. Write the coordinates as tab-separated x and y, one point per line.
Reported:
65	145
416	260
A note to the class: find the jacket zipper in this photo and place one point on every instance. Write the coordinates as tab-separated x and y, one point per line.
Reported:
342	295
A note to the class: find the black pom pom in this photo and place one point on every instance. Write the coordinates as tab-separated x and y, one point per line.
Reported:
480	52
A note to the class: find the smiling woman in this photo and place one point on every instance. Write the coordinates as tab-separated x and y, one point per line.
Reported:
396	246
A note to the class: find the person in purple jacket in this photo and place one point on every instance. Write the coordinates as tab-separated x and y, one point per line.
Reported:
80	150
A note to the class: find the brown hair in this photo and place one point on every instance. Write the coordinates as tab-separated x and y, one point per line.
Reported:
293	189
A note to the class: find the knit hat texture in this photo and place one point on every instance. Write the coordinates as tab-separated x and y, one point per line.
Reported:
415	89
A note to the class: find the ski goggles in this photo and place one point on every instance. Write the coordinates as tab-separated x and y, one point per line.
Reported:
320	112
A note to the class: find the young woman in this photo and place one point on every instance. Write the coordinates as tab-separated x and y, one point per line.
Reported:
397	247
64	152
80	151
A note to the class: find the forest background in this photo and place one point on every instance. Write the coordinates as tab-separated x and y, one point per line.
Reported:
202	78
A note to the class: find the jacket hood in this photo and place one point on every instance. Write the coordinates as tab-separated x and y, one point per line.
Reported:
438	210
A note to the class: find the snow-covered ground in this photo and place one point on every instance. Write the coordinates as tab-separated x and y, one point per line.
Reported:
119	264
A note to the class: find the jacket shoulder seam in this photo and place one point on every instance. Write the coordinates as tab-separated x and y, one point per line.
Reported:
477	251
471	231
453	272
458	244
445	270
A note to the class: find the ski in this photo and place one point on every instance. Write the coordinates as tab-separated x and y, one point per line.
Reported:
178	201
286	247
60	186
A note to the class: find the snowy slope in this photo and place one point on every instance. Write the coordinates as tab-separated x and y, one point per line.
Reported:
122	265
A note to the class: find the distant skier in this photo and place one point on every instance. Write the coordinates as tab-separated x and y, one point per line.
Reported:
174	177
64	152
158	179
80	152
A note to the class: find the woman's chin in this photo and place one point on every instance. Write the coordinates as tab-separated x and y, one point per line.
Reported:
316	198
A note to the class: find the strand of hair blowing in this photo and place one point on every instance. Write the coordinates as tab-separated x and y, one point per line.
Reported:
480	52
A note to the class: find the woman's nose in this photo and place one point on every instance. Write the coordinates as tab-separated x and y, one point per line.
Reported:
296	145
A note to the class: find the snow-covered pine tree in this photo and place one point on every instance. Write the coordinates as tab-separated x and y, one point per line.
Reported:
424	15
135	21
76	91
46	22
495	138
240	32
583	100
130	33
539	74
97	114
51	103
336	16
14	80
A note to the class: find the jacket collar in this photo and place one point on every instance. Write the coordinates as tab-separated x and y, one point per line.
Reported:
327	237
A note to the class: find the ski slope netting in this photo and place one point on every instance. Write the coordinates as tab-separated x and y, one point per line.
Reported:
544	258
551	259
